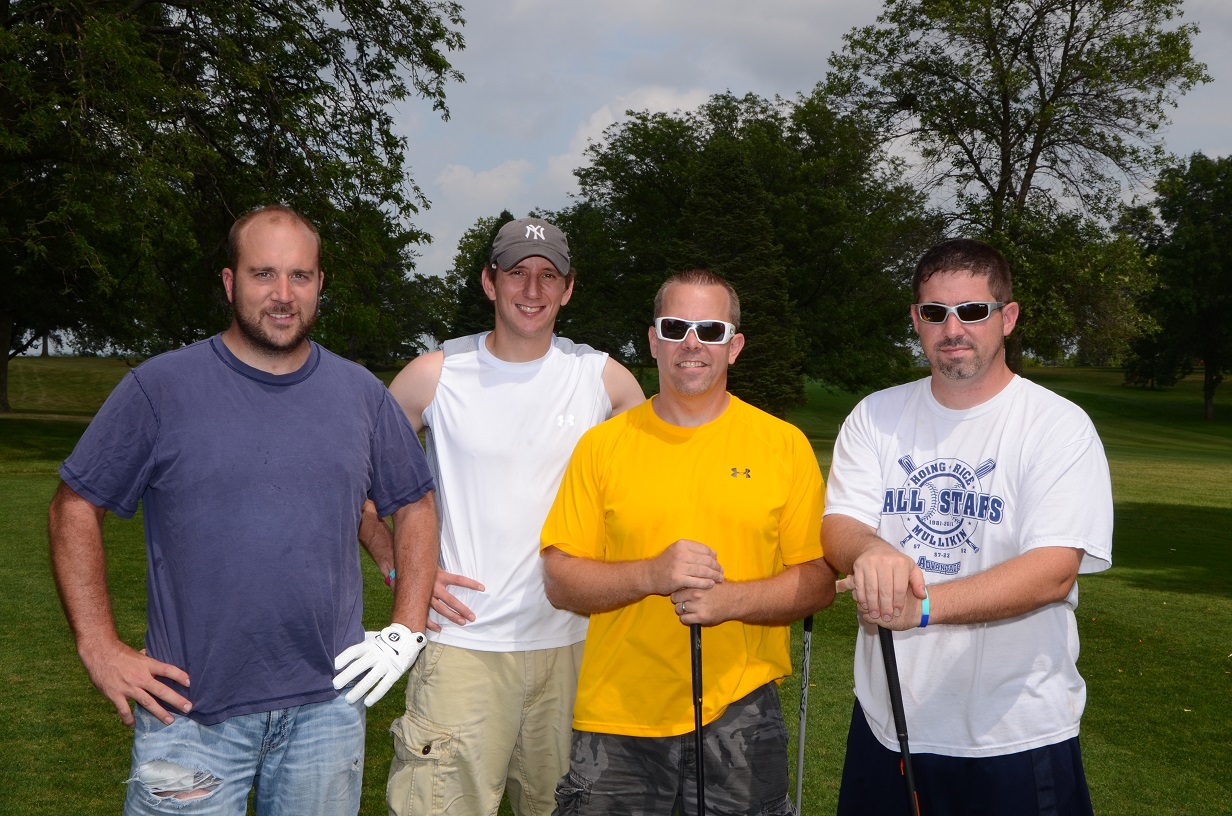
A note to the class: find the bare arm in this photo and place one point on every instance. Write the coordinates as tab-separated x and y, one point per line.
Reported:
415	386
586	586
376	538
623	389
416	549
799	590
120	672
1022	584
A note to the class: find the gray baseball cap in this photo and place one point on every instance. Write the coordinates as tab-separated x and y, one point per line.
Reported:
526	237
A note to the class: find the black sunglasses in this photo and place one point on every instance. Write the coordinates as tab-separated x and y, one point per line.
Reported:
975	311
710	332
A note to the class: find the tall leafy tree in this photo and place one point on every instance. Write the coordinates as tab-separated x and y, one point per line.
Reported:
472	311
133	133
842	220
1193	303
603	312
1006	102
725	229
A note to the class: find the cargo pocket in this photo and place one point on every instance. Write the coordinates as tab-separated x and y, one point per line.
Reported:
572	794
416	776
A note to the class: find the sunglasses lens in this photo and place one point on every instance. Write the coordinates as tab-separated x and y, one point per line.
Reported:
932	313
672	329
710	331
972	312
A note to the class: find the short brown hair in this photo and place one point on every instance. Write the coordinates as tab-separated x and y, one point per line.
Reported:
965	255
275	211
700	277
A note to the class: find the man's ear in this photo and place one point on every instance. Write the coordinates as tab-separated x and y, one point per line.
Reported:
735	347
487	278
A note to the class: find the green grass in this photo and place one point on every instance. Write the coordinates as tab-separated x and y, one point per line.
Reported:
1156	629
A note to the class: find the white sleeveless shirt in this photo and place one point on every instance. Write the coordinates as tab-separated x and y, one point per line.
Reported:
499	436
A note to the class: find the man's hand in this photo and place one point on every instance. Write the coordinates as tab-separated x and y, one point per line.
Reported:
684	564
880	580
384	655
704	606
122	673
444	602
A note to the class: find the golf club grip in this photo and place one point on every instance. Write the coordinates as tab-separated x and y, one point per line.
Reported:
695	643
896	691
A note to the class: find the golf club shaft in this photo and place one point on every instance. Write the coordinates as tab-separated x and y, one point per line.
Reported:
804	690
900	717
695	637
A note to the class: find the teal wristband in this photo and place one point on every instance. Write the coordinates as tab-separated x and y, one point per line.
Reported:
924	610
389	579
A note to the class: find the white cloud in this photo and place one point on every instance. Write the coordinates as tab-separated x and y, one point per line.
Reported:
460	183
545	77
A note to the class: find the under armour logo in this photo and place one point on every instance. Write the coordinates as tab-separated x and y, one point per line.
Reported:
563	421
736	473
535	232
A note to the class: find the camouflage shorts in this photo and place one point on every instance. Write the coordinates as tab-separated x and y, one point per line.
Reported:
745	767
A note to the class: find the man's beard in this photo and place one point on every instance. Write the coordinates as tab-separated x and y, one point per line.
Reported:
259	338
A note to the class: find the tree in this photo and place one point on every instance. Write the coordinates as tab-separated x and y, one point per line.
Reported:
472	310
1080	287
1193	302
726	230
844	224
133	133
1010	101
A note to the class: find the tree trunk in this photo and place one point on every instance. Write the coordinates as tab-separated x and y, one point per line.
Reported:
6	340
1210	381
44	352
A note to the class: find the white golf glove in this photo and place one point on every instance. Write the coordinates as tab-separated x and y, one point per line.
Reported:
385	655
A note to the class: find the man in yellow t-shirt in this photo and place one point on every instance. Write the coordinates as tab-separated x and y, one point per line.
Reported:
692	508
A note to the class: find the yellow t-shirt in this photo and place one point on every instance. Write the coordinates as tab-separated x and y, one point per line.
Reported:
746	485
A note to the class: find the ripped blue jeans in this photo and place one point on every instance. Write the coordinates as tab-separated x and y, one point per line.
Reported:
307	759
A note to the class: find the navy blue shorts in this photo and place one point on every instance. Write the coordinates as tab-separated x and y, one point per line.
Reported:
1046	781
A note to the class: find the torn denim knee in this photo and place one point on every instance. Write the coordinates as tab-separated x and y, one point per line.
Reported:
167	780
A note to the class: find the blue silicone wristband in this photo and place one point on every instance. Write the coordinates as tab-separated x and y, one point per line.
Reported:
924	610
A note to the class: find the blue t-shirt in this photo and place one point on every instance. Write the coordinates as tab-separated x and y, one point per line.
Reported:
252	485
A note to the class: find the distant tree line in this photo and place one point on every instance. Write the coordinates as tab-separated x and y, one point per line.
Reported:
132	134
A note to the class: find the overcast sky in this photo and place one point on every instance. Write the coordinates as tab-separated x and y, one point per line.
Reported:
545	76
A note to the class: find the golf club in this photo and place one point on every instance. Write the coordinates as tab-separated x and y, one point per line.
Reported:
804	688
900	717
695	636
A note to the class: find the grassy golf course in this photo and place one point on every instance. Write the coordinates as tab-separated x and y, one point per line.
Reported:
1156	629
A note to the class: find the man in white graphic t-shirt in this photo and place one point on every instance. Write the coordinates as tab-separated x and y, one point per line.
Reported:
961	509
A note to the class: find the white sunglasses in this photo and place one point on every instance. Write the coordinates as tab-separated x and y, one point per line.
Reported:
710	332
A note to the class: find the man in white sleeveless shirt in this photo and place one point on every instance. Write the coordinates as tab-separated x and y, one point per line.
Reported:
489	706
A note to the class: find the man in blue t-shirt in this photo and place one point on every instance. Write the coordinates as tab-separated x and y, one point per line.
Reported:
251	454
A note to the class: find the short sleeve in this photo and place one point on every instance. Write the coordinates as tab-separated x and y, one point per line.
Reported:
800	526
400	472
111	465
575	524
1067	502
855	483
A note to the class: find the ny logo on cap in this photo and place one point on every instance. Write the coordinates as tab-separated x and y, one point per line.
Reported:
535	232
